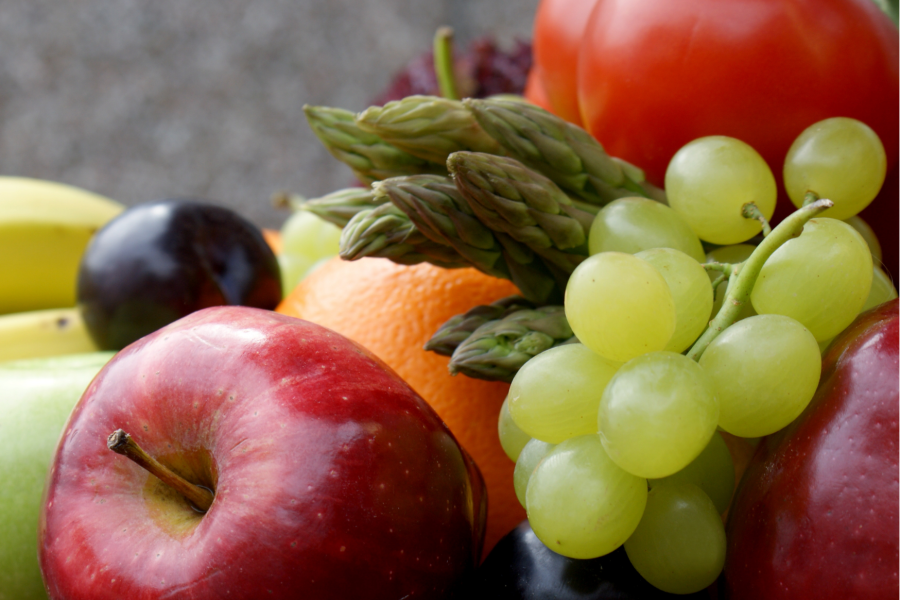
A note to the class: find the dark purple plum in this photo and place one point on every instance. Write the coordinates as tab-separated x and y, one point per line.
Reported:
521	567
160	261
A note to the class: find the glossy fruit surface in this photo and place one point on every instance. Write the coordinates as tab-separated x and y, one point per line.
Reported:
840	159
653	76
820	278
580	503
815	515
521	567
36	397
332	478
393	310
619	306
558	27
160	261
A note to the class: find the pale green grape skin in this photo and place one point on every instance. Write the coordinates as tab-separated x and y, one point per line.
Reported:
764	371
733	254
657	414
821	278
634	224
712	471
708	182
867	234
306	240
881	291
532	454
619	306
691	292
840	159
579	503
679	545
512	439
556	394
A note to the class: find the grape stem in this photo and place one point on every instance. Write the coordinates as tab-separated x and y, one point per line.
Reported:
717	266
751	211
810	197
718	281
743	275
443	63
725	270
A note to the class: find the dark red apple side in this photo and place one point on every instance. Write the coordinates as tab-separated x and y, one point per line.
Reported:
816	513
332	478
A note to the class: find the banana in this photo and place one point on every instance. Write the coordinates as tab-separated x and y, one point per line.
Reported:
44	229
39	333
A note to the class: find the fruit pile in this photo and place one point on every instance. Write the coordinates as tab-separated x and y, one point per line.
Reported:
644	363
622	339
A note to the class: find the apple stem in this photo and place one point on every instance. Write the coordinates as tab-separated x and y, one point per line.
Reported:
743	275
122	443
444	67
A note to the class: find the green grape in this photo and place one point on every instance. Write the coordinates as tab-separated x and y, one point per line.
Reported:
867	234
764	371
619	306
679	545
734	254
579	503
512	439
712	471
306	240
532	453
821	278
657	414
841	159
691	292
634	224
708	182
556	394
881	291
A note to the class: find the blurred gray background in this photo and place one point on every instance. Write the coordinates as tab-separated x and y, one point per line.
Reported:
139	100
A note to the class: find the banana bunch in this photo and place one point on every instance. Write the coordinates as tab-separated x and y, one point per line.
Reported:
41	333
44	229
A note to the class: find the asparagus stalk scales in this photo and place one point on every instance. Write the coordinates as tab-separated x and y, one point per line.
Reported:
339	206
370	157
529	207
386	232
446	339
437	209
497	349
562	151
428	127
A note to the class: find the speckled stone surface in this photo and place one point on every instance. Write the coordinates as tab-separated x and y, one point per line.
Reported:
139	100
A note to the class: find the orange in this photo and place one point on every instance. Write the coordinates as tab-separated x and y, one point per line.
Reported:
393	310
273	239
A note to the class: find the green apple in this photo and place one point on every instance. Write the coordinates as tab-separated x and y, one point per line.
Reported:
36	397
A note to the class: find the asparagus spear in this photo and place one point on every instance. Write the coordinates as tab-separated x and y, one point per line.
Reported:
497	349
457	329
386	232
428	127
562	151
509	197
438	210
337	207
370	157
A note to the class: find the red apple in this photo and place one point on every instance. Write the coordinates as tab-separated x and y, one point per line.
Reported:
331	477
815	515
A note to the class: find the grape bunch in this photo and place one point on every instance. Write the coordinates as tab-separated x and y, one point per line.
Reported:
691	317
